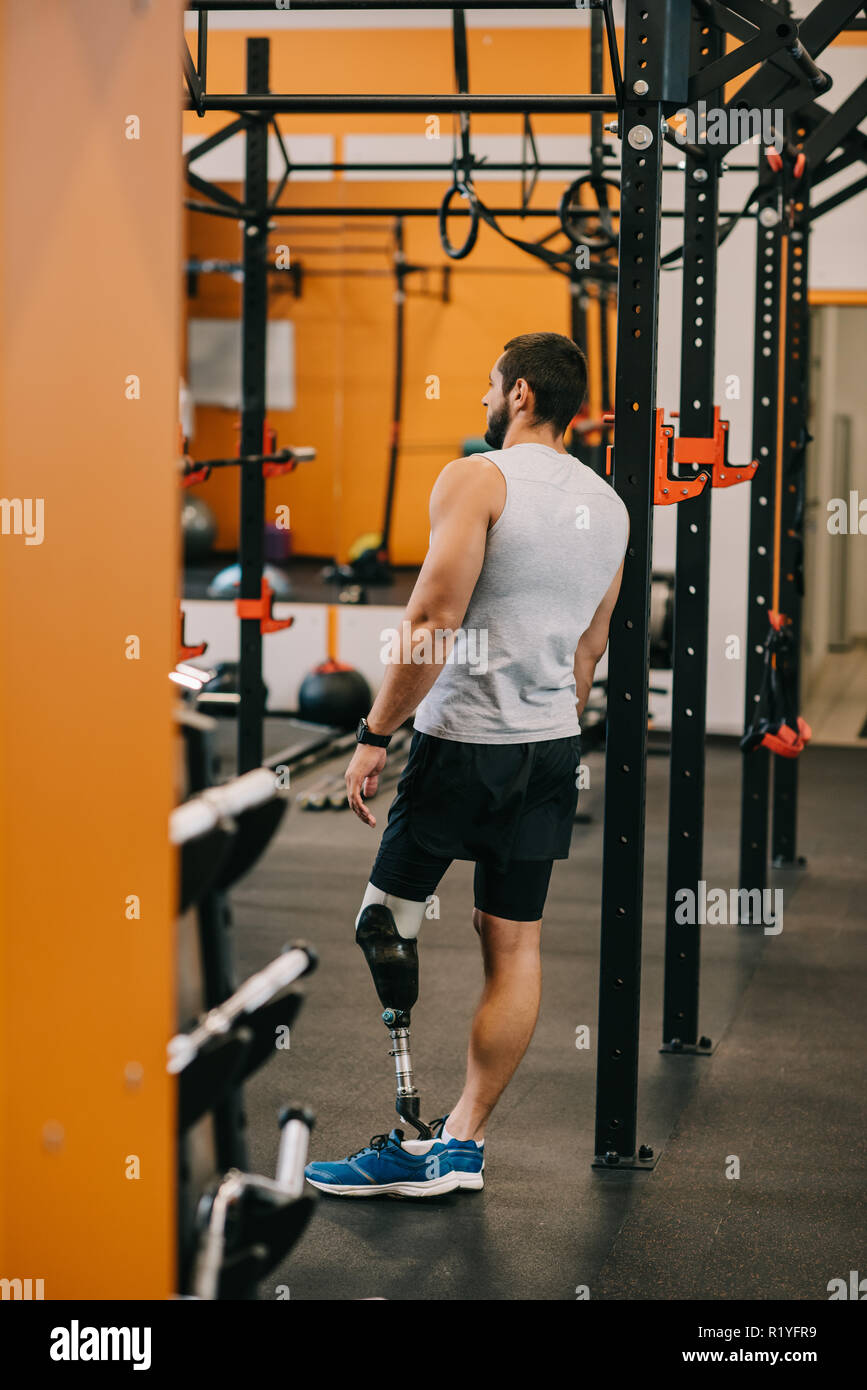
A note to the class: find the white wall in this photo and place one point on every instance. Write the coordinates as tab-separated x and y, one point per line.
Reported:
838	353
851	400
837	259
837	262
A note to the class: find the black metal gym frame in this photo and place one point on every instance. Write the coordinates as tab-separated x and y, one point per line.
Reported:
389	167
317	104
680	1029
680	1008
788	77
785	210
756	766
360	210
578	301
817	145
258	106
796	348
254	327
253	213
656	57
200	100
397	5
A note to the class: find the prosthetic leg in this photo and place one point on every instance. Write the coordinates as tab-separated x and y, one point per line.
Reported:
393	961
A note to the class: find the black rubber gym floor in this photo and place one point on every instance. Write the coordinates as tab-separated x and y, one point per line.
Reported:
783	1093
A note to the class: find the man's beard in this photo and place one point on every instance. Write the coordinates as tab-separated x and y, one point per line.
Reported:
498	425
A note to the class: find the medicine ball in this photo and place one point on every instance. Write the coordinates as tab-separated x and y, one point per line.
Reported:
199	528
334	694
221	695
227	584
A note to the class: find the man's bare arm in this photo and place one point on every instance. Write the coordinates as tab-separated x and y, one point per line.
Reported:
464	499
593	642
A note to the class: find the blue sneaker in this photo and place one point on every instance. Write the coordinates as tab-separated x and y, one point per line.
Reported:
390	1166
467	1158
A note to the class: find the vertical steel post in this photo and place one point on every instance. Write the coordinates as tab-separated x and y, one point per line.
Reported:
597	77
597	164
656	56
400	273
254	323
692	574
797	350
755	784
593	454
202	49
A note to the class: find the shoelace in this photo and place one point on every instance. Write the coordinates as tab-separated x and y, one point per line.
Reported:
377	1144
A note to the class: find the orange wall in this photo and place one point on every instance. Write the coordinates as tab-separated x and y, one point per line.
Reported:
89	293
344	326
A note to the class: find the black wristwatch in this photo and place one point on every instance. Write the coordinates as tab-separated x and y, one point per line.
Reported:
363	734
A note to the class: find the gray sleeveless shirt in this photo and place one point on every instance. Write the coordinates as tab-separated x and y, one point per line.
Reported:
549	560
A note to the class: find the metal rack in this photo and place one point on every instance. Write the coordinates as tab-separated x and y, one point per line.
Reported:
674	56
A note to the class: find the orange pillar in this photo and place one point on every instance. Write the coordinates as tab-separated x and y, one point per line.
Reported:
90	278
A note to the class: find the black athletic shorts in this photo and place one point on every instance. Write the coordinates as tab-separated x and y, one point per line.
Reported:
508	807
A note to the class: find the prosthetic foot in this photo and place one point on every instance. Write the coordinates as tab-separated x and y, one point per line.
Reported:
393	961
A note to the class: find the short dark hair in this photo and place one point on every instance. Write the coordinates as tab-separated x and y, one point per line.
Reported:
555	369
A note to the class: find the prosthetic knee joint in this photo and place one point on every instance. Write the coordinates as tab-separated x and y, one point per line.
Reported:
393	961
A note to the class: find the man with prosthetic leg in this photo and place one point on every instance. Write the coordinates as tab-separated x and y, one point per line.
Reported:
506	624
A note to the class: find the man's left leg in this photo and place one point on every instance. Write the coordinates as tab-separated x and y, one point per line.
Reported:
504	1019
508	920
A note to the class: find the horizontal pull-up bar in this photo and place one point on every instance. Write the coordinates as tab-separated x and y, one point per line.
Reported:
305	210
818	80
317	104
481	167
458	211
291	5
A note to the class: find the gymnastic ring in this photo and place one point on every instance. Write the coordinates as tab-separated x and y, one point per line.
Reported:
457	253
608	237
